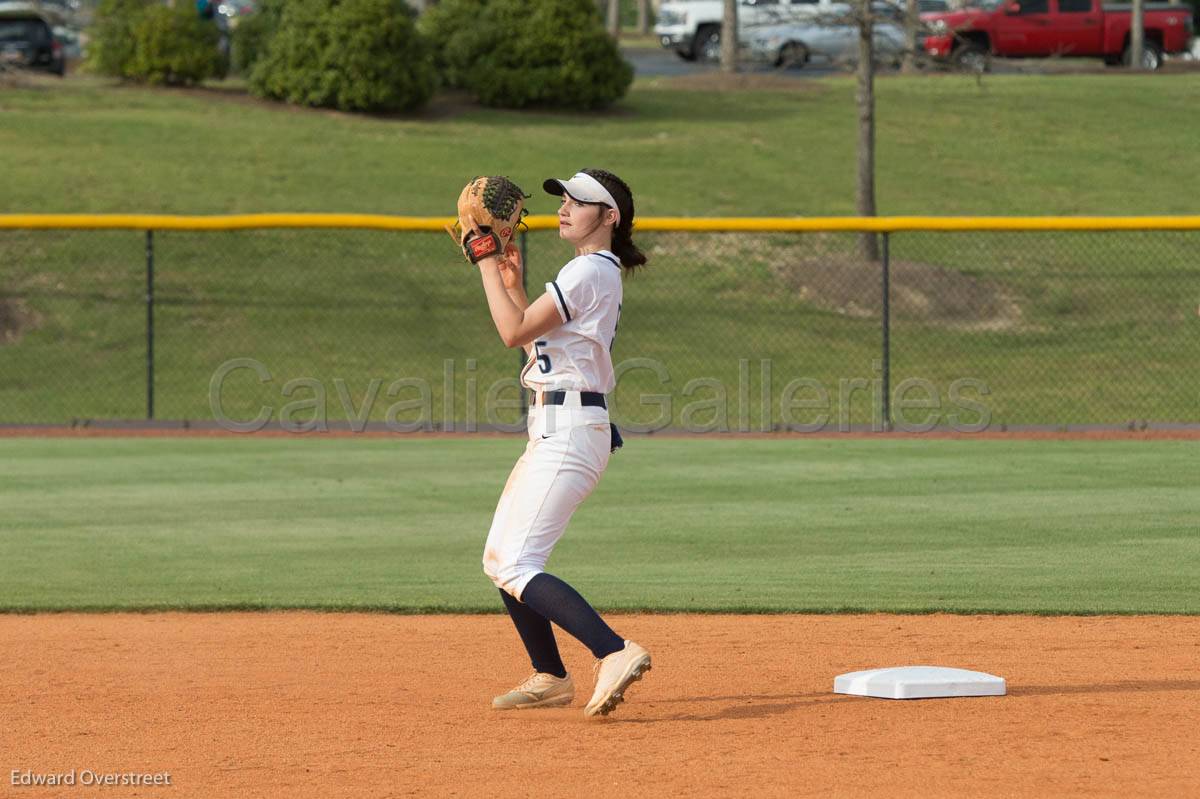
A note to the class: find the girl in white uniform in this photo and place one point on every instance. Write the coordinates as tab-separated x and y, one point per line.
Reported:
567	333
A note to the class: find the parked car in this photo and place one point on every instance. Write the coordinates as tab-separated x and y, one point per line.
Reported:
796	44
27	39
833	36
1042	28
692	28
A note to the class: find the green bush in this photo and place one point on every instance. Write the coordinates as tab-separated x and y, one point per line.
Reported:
354	55
550	54
444	25
111	48
145	41
253	33
175	46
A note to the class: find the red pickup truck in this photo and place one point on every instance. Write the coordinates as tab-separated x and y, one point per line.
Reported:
1044	28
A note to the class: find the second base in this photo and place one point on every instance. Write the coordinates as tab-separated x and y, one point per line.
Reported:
919	682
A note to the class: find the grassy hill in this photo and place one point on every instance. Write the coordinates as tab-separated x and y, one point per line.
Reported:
1074	328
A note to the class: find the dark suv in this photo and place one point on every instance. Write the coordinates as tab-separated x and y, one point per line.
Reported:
27	42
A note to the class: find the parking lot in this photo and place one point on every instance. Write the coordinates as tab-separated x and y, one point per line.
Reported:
653	62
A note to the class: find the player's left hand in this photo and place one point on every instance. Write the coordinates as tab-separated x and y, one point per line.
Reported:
489	211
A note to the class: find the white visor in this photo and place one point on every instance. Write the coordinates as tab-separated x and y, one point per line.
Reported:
583	187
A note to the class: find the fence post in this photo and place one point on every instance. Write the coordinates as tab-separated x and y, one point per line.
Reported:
521	350
149	324
885	315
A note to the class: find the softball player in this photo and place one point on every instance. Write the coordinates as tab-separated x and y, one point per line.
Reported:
567	333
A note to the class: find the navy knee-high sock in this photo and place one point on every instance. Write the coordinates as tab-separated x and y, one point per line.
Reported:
562	604
537	635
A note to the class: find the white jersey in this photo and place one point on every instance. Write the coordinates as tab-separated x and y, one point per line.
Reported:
576	356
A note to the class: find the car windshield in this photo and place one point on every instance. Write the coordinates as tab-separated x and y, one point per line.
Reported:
986	5
21	30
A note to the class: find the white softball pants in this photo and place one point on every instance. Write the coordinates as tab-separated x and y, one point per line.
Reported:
567	452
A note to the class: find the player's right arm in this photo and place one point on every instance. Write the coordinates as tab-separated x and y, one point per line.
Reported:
512	274
517	327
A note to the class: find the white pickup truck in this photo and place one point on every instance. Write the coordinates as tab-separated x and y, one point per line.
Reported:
692	28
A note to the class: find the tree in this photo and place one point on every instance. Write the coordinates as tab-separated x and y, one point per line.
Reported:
729	37
862	16
1137	35
912	22
643	16
864	97
614	18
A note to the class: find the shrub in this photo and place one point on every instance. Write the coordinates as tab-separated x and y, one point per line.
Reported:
253	34
175	46
146	41
110	51
354	55
443	26
553	53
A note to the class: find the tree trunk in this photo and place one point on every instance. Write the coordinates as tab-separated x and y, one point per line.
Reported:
1137	36
912	20
643	9
729	38
865	99
614	18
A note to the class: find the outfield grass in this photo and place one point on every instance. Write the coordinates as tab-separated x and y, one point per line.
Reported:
1102	330
676	525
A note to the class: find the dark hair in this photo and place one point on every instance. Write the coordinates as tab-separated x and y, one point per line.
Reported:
622	240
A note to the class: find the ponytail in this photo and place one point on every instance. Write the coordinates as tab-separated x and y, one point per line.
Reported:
622	240
624	248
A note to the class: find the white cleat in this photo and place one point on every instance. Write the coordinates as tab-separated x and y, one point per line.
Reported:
539	690
614	674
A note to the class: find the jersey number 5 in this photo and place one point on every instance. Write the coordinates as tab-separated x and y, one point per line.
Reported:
542	359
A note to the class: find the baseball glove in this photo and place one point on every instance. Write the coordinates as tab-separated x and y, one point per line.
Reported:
489	211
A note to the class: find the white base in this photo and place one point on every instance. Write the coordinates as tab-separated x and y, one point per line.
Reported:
918	682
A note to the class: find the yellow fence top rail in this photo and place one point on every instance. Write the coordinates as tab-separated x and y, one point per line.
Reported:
879	224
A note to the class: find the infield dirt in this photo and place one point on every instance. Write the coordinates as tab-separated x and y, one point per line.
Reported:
355	705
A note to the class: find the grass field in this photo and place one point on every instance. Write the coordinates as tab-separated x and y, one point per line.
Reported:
1062	329
676	525
1070	144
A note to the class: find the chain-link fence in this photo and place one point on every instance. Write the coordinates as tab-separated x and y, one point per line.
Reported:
738	330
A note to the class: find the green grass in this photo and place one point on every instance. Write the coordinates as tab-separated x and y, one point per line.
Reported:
676	525
1102	334
1107	144
1103	331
